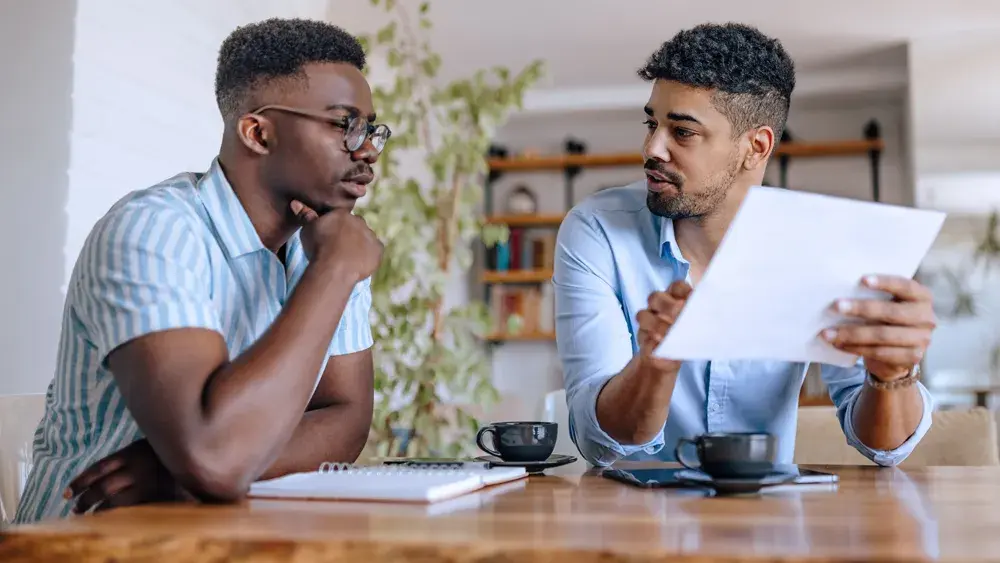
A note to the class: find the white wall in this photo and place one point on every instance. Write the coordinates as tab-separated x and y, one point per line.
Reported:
525	371
35	112
954	88
954	85
115	100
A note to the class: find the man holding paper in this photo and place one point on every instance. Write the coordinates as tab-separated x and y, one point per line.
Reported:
628	258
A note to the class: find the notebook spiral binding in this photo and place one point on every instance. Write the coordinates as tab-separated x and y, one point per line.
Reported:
351	469
327	466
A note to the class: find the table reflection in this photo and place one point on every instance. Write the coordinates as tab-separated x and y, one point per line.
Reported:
892	516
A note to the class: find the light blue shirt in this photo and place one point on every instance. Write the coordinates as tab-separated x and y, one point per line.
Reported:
611	253
180	254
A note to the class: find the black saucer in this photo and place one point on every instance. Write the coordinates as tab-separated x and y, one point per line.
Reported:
735	485
555	460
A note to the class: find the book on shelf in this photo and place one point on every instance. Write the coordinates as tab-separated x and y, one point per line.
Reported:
523	310
522	251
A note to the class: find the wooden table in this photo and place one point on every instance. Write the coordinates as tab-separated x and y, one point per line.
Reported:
946	513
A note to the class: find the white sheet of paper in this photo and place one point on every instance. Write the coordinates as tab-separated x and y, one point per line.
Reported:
786	258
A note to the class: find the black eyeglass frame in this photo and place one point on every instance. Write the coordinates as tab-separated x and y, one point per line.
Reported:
353	139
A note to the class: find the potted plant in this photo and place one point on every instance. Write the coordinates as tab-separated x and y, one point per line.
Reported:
429	355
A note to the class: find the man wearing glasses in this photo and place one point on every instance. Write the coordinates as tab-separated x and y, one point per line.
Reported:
216	325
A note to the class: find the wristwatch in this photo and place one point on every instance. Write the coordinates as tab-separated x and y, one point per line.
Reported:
905	381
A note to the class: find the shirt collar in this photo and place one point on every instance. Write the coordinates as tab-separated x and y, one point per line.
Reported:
668	241
232	224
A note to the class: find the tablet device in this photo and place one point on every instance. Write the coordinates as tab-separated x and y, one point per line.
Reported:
666	477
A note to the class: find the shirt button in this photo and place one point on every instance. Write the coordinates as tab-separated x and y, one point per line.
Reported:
715	407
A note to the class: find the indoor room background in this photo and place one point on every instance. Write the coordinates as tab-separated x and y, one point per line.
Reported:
115	96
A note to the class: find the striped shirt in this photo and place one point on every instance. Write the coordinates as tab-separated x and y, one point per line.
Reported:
182	253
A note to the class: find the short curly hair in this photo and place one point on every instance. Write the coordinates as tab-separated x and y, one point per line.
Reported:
276	49
751	73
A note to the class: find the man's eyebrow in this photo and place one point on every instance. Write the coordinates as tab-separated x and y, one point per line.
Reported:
351	109
673	116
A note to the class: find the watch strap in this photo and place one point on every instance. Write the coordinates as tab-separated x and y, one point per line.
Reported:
905	381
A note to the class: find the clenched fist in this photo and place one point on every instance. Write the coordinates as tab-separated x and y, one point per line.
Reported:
339	237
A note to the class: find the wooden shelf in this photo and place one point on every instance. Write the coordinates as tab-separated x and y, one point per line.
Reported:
815	401
521	337
517	276
792	149
541	220
830	148
526	163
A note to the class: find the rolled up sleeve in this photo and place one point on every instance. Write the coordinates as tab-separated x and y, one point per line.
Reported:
354	332
593	335
844	385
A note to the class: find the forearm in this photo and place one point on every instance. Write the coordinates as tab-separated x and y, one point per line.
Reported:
885	418
634	404
252	405
336	433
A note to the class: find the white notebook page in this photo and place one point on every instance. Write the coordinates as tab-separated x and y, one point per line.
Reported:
386	483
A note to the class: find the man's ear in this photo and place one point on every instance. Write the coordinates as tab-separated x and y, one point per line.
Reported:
761	141
255	132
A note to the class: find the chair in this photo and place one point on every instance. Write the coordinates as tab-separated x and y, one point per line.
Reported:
956	437
554	410
19	416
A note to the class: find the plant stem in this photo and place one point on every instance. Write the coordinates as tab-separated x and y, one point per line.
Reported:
427	406
447	223
392	438
421	101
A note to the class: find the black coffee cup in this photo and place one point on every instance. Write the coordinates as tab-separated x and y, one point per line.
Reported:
731	455
519	441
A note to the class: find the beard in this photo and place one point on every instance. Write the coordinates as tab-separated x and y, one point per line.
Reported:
687	205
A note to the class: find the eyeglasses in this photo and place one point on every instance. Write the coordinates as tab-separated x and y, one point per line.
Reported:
356	128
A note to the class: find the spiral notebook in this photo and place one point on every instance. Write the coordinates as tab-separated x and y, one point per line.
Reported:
334	481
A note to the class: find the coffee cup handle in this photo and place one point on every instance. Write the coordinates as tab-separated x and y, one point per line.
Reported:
680	455
479	440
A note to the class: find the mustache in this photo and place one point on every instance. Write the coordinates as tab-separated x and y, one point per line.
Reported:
672	177
362	170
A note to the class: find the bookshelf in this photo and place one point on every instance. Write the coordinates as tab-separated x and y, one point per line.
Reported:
806	400
789	149
532	336
540	220
535	275
534	269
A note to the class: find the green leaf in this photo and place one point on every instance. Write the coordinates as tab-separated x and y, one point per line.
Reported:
393	58
365	41
387	33
430	65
